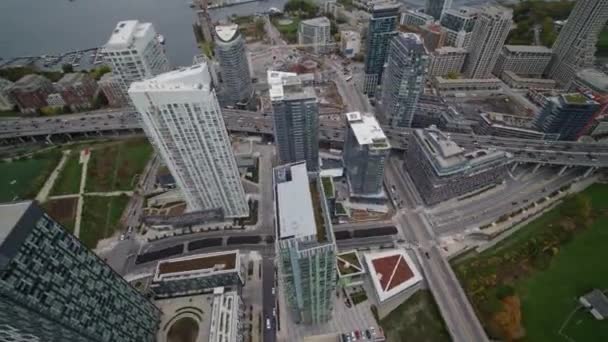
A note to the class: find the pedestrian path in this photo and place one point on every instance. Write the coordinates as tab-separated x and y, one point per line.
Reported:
43	194
85	155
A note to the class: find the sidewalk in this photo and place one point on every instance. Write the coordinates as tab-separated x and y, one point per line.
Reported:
43	194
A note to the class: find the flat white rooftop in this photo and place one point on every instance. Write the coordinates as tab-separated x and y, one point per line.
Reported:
194	77
296	216
275	83
10	214
198	265
126	32
366	128
226	32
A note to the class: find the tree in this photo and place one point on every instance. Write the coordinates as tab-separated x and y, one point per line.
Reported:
67	68
577	208
260	27
301	8
97	73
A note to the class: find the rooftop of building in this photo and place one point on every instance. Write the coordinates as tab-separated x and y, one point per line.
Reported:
319	21
412	41
392	272
419	13
286	86
30	82
227	33
72	78
349	263
508	119
126	32
194	77
224	316
598	301
462	11
367	130
10	214
5	83
528	49
480	81
294	201
108	77
198	265
594	78
527	78
497	11
577	98
444	50
385	8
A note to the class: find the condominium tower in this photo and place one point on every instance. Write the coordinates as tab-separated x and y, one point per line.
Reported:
435	8
492	26
54	289
234	66
382	27
316	32
574	48
134	53
365	151
566	115
459	24
295	114
305	243
403	80
182	118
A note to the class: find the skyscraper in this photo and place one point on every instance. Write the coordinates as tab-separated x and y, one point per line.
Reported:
491	29
134	53
459	24
403	81
574	48
296	119
305	243
365	151
315	31
53	289
234	67
382	27
566	115
182	118
435	8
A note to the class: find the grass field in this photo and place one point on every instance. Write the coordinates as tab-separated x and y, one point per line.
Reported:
100	218
602	44
22	179
417	319
114	167
548	293
63	210
68	181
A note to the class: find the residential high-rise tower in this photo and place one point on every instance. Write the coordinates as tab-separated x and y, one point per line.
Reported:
382	27
403	80
491	29
435	8
182	118
295	114
574	48
316	31
54	289
232	56
566	115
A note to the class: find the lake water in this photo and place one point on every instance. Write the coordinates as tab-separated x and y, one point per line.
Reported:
37	27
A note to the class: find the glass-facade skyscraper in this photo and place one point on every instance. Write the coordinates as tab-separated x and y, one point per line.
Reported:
566	115
53	289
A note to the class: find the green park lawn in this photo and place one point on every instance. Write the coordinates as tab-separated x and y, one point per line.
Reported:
114	167
68	181
548	277
22	179
417	319
100	217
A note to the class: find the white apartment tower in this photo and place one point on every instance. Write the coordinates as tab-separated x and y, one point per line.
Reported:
489	34
134	52
316	32
574	48
182	118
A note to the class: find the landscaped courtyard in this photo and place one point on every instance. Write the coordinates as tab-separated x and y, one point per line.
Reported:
528	286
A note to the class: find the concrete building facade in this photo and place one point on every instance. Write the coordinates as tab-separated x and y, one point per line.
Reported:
382	27
491	29
111	87
566	115
521	82
459	24
523	60
134	53
315	32
306	250
442	170
54	289
234	66
365	151
30	92
574	48
446	60
78	90
403	81
455	87
182	118
295	114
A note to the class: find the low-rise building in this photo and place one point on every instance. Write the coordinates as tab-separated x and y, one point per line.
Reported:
508	126
198	273
111	87
567	115
521	82
78	90
6	102
591	80
415	18
55	100
464	86
30	92
350	42
446	60
442	170
350	269
315	32
227	314
523	59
